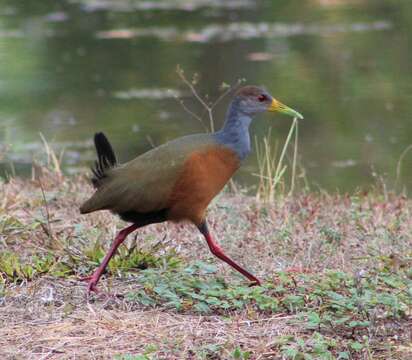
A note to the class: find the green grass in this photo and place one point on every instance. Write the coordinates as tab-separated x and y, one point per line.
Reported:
340	315
15	268
338	312
336	271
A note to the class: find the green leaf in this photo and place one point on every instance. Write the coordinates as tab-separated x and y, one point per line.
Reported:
392	281
353	324
356	346
291	353
313	320
237	353
341	320
213	301
202	307
343	355
150	348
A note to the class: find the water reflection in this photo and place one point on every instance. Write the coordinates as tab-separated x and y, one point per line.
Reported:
244	31
71	68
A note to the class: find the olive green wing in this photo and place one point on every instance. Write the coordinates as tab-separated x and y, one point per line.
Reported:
145	183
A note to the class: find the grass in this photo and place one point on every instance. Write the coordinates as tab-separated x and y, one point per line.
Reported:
336	271
271	167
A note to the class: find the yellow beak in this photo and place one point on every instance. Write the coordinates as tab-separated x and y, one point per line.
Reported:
278	106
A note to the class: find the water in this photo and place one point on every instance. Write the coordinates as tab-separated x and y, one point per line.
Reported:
71	68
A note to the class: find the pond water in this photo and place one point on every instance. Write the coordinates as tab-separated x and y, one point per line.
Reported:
71	68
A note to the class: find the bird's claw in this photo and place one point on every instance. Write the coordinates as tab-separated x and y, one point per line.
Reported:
92	283
92	287
84	278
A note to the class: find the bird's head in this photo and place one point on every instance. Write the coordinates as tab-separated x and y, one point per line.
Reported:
252	100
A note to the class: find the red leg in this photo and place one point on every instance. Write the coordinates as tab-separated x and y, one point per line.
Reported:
94	279
218	252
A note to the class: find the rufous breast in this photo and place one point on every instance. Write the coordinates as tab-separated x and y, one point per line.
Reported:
203	176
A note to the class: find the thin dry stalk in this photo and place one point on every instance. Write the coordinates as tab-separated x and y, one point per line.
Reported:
193	90
208	107
399	165
52	158
318	232
266	156
280	166
272	170
47	230
3	151
295	158
190	112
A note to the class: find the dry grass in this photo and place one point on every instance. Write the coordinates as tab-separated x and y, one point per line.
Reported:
105	328
49	317
271	167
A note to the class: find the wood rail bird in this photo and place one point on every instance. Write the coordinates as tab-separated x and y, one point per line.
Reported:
177	180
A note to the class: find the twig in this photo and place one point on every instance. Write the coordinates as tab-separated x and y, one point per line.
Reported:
295	155
208	108
51	156
150	141
197	117
276	317
282	154
54	350
49	230
227	92
180	72
399	164
219	99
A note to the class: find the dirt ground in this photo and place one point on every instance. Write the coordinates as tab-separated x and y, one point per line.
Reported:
49	316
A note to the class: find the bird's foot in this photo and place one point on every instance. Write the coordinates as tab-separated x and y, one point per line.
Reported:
92	282
84	278
92	287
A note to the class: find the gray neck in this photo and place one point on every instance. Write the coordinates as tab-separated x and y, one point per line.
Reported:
235	131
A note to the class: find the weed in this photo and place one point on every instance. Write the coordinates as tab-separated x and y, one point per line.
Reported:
316	346
225	89
238	353
336	274
132	357
16	268
331	234
210	351
271	168
325	304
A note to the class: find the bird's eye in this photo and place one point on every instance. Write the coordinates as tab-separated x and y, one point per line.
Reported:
262	98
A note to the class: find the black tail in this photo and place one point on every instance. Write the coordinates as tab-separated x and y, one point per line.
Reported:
106	158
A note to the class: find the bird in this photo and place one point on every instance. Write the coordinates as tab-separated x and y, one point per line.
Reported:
176	181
